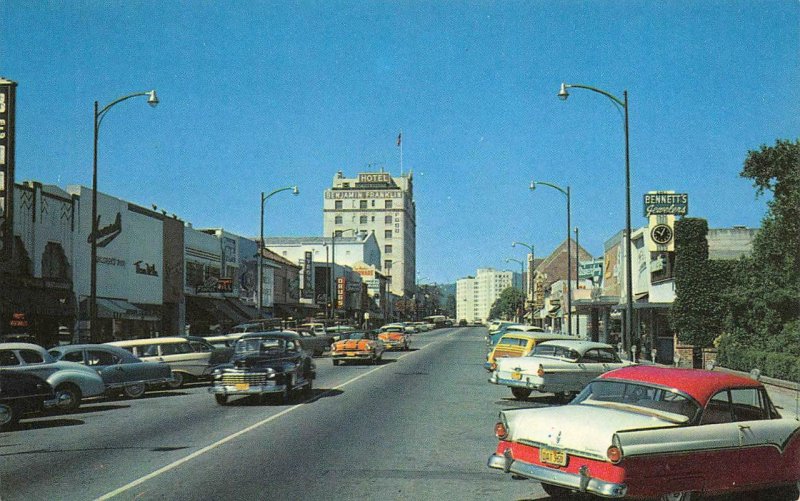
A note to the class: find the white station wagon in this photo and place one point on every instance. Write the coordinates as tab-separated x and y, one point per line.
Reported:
186	364
562	367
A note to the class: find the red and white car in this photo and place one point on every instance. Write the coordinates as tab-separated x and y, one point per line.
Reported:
653	432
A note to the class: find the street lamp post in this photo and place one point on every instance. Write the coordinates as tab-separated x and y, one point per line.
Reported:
522	275
577	279
565	192
627	335
262	246
99	114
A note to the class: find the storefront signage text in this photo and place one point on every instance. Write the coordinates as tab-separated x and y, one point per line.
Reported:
113	261
657	203
308	277
143	268
7	119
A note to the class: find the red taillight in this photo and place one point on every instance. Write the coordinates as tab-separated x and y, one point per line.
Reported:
540	372
614	454
493	366
500	430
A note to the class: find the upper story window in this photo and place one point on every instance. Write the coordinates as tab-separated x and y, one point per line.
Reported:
388	204
337	233
337	204
363	204
387	234
387	249
363	220
338	220
387	265
387	219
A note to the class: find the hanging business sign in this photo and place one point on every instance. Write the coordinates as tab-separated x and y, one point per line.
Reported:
8	91
590	270
658	203
340	292
308	276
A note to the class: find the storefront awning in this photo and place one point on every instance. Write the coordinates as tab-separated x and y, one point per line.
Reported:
249	312
122	310
214	309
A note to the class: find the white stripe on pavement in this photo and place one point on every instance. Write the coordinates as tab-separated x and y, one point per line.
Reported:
227	439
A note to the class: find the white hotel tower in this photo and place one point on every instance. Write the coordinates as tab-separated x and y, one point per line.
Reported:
383	204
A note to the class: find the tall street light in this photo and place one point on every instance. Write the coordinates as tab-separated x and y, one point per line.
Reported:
521	273
262	246
565	192
627	335
99	114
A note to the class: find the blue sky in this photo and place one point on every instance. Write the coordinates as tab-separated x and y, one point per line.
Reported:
260	95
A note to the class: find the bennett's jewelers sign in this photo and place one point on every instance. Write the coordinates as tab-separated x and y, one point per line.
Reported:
663	203
341	195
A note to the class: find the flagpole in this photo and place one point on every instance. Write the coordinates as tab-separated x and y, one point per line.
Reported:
400	144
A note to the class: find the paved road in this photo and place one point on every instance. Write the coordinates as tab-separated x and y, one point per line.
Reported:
418	426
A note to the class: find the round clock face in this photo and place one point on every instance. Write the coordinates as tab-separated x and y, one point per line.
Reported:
661	234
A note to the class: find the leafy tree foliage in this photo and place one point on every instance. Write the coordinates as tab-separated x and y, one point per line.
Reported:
506	306
763	325
700	285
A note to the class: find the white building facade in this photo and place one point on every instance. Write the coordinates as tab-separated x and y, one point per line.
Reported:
379	203
475	296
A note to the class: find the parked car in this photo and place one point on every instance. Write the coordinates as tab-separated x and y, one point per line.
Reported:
517	343
563	367
186	364
71	382
265	363
337	331
650	432
493	337
316	344
120	369
394	338
357	347
21	393
219	354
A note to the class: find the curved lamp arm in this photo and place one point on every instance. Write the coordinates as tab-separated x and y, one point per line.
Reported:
152	100
294	189
563	94
554	186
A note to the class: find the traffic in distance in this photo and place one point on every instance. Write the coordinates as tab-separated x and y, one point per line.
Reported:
578	419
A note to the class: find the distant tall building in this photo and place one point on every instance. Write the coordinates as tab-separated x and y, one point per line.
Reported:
475	296
380	203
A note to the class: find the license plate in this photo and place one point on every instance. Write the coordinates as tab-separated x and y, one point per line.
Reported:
351	354
552	456
243	386
516	375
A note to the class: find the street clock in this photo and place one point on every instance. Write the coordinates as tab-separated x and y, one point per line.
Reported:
661	234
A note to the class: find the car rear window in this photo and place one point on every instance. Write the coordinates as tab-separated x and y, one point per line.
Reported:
31	357
8	358
510	341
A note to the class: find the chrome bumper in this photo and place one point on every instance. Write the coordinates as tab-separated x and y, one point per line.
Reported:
515	383
254	389
581	482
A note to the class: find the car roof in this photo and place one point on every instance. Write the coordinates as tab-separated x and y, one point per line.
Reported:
549	336
523	328
272	334
699	384
579	345
149	340
20	346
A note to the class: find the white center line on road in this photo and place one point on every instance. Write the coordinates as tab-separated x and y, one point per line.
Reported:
227	439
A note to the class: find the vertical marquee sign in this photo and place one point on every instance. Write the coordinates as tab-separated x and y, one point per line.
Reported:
8	92
308	278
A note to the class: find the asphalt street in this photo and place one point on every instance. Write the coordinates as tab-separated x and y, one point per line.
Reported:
418	426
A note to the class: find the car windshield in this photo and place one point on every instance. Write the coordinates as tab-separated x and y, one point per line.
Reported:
641	398
260	346
551	350
354	335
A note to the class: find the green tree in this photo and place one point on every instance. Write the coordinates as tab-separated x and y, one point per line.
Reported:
507	304
763	326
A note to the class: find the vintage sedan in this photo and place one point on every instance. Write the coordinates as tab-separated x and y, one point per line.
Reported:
563	367
357	347
654	432
21	393
263	364
394	338
71	381
518	341
120	369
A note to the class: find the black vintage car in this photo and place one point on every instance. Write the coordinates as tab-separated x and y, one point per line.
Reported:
20	393
263	364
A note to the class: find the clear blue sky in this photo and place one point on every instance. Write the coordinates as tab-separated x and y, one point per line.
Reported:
260	95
